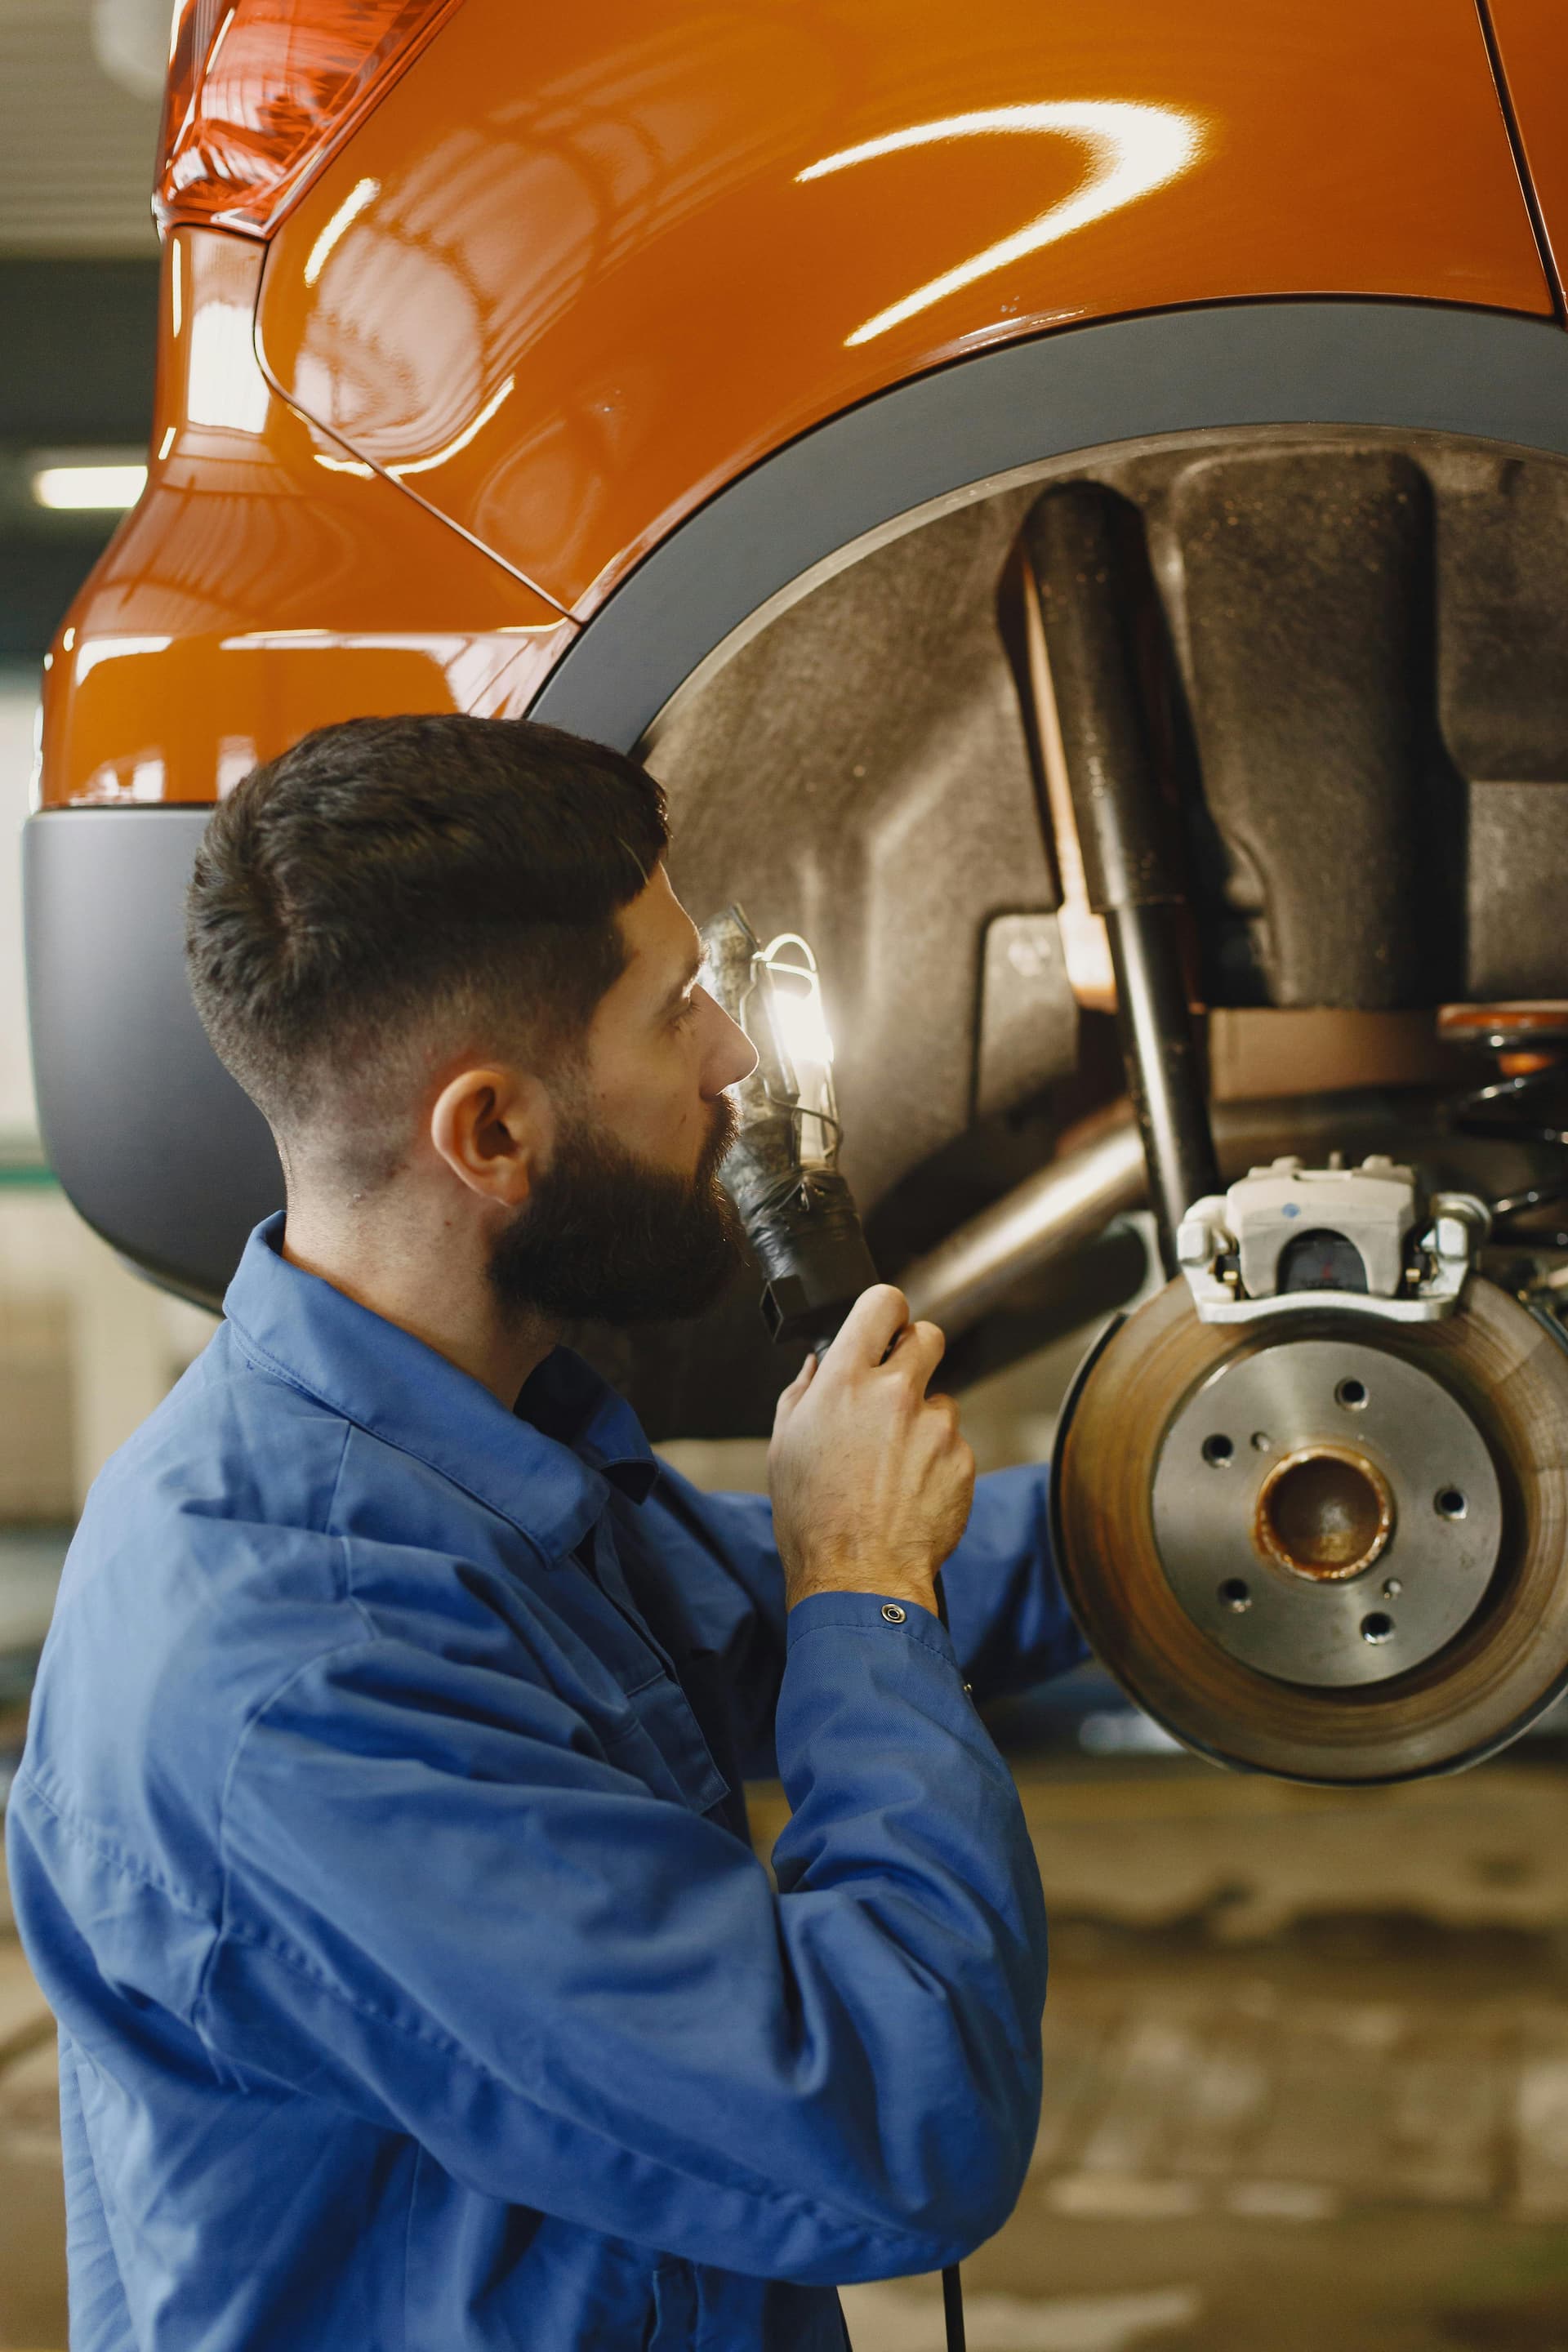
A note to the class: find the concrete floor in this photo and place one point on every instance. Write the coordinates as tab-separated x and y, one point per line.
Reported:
1307	2065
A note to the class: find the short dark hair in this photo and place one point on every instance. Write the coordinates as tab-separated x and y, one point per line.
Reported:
393	890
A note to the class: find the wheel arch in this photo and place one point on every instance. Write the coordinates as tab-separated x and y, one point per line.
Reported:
109	1013
967	430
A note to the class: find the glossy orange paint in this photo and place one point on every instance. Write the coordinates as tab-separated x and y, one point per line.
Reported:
581	267
1532	45
267	583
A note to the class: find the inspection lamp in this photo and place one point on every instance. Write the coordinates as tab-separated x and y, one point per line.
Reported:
783	1174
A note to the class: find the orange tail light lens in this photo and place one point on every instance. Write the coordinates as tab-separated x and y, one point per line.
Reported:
261	92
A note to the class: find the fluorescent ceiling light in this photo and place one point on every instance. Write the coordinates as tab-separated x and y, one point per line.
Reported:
109	488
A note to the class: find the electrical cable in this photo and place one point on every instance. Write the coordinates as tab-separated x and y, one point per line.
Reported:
952	2279
952	2308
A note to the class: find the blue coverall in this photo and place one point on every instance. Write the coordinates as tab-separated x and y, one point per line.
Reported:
379	1845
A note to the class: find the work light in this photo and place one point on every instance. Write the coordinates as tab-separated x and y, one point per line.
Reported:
782	1175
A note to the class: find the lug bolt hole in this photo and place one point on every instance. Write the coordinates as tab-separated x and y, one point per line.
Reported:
1351	1395
1217	1451
1451	1504
1235	1594
1377	1627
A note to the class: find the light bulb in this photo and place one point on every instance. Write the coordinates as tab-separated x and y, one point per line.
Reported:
796	1210
788	994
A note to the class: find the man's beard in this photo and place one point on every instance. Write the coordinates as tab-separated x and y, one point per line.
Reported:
609	1238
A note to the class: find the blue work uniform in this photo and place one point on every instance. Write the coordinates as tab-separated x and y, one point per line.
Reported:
380	1847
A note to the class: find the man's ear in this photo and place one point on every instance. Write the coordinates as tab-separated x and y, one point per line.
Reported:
493	1127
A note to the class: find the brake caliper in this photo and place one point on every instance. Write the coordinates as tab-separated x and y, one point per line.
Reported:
1287	1238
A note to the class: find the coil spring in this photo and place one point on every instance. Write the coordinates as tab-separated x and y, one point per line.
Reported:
1513	1107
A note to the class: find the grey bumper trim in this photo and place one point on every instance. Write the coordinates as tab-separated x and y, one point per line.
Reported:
153	1140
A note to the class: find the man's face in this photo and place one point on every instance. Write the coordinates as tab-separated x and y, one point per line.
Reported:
628	1222
660	1052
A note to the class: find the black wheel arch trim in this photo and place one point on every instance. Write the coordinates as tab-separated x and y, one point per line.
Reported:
962	430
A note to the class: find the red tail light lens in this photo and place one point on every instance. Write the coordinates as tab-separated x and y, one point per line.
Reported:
260	92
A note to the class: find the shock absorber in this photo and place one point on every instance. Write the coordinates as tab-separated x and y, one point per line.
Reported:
1086	574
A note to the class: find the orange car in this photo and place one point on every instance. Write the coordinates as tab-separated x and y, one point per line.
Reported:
859	408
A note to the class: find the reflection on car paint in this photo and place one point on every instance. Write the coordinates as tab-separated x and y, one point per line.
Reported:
268	581
613	215
1133	149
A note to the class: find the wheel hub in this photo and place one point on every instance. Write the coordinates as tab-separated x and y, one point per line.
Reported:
1323	1513
1297	1513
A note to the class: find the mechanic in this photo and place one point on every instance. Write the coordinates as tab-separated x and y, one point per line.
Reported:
379	1842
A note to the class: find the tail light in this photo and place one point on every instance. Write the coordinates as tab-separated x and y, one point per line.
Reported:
260	92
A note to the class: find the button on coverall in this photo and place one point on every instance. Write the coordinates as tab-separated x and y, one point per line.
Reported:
380	1848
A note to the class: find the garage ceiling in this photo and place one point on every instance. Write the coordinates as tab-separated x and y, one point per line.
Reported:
79	125
80	88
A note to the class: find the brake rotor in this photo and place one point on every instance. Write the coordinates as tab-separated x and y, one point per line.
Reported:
1322	1547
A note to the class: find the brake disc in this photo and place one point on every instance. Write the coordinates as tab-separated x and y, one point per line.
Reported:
1326	1547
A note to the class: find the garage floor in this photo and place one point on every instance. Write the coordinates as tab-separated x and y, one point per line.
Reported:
1306	2062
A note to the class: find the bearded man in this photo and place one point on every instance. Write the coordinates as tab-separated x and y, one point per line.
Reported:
379	1842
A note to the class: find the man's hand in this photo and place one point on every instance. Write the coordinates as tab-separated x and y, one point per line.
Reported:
871	1481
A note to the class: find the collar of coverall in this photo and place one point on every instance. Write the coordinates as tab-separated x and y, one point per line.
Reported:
546	1467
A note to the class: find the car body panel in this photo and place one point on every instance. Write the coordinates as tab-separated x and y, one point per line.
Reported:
266	583
579	270
1532	38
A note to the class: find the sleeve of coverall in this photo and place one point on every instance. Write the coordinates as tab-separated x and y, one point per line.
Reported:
585	1999
1009	1618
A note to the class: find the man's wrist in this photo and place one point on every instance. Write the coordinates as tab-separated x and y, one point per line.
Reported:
904	1592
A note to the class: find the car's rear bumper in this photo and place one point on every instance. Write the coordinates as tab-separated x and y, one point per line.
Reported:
153	1142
